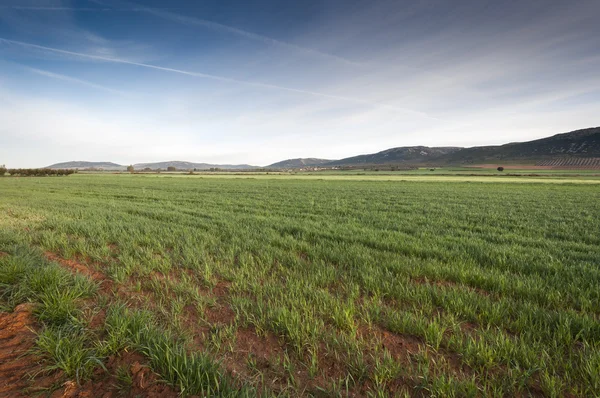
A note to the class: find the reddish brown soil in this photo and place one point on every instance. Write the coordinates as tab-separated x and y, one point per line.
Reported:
221	289
219	315
265	347
400	346
266	351
404	347
79	267
144	382
97	319
263	350
16	364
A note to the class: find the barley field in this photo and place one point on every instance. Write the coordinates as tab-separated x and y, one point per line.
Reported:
287	286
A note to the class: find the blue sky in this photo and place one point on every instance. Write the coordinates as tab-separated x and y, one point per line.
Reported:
261	81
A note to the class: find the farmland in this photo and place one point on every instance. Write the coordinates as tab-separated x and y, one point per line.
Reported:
310	285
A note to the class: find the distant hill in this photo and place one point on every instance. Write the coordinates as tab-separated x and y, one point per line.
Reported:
576	144
299	163
582	146
407	154
576	149
180	165
87	165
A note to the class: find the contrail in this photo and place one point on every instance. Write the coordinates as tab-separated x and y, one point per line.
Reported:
90	9
218	78
72	80
30	8
163	13
240	32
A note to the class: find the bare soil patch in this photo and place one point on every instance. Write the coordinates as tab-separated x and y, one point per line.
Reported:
142	381
17	365
219	315
105	383
400	346
79	267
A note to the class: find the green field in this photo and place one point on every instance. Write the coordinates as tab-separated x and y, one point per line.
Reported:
313	285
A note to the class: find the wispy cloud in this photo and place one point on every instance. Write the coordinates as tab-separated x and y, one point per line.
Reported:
174	17
493	71
37	8
83	9
218	78
70	79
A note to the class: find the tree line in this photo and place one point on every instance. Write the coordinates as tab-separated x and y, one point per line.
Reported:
36	172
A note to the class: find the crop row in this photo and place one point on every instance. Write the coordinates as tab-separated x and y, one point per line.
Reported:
346	287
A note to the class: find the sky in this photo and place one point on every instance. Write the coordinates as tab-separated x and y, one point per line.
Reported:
256	82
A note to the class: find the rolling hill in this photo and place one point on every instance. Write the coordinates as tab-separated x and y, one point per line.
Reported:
573	148
77	164
180	165
299	163
580	148
583	143
410	154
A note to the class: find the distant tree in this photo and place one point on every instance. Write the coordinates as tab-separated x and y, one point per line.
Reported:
2	170
39	172
500	168
171	168
130	168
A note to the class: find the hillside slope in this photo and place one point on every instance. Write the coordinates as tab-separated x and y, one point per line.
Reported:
410	154
583	143
299	163
77	164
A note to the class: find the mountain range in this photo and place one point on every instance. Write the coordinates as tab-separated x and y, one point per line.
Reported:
567	149
190	166
179	165
406	154
580	147
583	143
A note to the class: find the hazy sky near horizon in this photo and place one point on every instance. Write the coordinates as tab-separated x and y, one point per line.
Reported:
256	82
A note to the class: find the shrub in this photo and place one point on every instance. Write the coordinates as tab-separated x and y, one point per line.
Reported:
500	168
